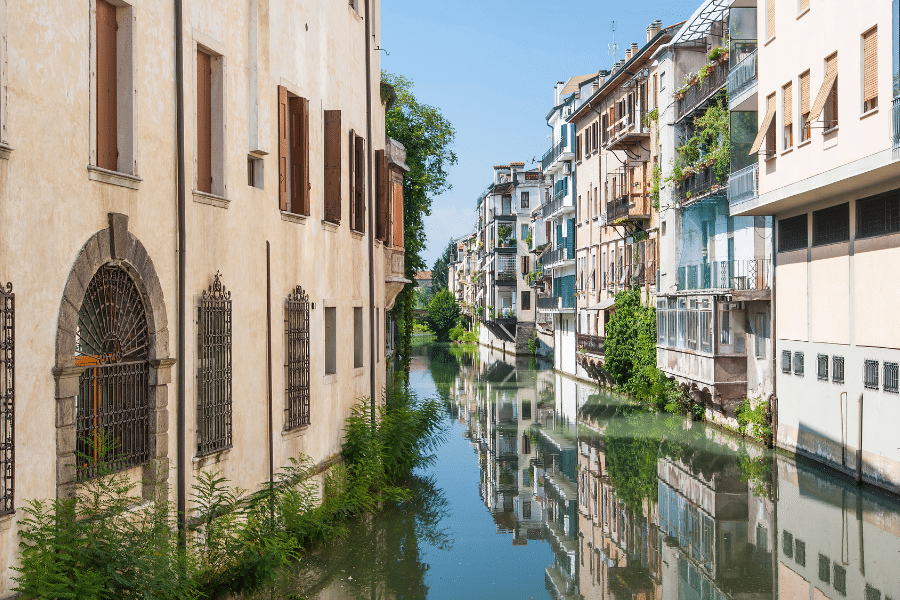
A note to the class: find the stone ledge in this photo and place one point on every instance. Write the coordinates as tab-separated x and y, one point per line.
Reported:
124	180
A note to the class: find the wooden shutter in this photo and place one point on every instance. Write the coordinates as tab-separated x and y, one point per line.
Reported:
283	143
304	153
381	213
870	65
359	148
804	93
764	126
298	109
396	185
333	166
548	228
204	122
825	90
351	176
107	126
578	148
770	19
595	128
788	104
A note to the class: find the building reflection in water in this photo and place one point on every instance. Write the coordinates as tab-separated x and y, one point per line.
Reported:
642	506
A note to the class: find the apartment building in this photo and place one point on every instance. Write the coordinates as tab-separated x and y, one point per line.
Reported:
825	165
190	176
715	285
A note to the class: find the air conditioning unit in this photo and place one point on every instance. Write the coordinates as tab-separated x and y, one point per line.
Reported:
567	168
567	111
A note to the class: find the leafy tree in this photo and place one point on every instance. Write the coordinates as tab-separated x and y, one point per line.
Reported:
428	138
439	271
443	314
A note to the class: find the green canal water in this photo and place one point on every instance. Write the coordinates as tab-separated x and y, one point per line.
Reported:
547	488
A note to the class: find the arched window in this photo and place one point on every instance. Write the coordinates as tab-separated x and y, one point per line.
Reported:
112	411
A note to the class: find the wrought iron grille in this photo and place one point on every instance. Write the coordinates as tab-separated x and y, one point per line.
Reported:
214	373
792	233
822	367
7	397
798	363
878	215
831	225
870	374
891	372
786	361
837	369
112	413
297	367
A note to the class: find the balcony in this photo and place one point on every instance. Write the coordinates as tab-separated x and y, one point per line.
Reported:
624	276
629	206
749	274
743	185
697	94
592	344
895	118
562	150
742	77
548	303
505	277
551	257
628	130
557	205
701	183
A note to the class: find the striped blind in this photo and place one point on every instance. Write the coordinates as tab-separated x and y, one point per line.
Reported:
831	64
764	126
770	19
804	93
870	64
804	5
787	104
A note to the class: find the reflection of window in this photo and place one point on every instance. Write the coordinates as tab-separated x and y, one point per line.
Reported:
214	424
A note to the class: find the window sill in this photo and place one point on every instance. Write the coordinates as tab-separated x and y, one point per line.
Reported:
359	371
868	113
329	226
215	456
293	218
357	234
787	151
295	432
210	199
806	142
329	379
5	150
769	41
113	177
803	13
830	131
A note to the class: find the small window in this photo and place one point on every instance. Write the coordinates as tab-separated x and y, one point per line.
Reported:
824	569
330	340
837	369
890	377
526	300
822	367
878	215
804	107
761	335
293	153
831	225
798	363
787	93
870	374
839	580
786	361
800	552
792	233
787	543
872	593
255	172
357	337
114	117
870	70
524	200
210	144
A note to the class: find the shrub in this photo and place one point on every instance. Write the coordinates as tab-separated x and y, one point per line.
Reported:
443	314
456	333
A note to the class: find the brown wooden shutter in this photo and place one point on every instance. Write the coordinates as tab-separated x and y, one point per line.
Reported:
381	208
397	215
351	176
548	227
283	143
870	64
360	149
304	153
299	111
804	93
578	148
770	19
333	166
204	122
788	104
107	126
825	90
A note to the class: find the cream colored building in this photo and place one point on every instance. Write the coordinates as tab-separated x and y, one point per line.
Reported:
828	170
197	209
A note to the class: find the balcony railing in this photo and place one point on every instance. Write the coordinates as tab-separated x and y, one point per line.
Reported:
547	302
554	206
699	184
631	127
749	274
637	274
895	117
697	94
550	257
555	152
743	75
743	185
506	277
593	344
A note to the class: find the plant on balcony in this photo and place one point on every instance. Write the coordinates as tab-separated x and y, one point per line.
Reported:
718	54
654	186
709	147
503	234
528	239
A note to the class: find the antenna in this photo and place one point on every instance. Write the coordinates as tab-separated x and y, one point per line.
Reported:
613	49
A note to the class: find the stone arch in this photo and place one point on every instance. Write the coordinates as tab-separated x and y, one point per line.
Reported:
117	246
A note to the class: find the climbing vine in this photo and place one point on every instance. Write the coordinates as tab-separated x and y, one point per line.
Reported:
709	146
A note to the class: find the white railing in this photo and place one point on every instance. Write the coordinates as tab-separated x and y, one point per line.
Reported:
743	185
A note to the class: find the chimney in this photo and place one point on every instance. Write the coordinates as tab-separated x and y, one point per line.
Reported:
634	48
628	55
653	29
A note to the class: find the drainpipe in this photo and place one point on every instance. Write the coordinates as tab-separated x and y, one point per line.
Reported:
859	450
373	386
181	486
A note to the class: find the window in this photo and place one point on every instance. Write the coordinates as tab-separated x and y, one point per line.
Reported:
770	19
803	6
506	205
878	215
762	334
293	153
214	370
839	581
800	552
787	544
357	183
525	232
333	183
114	106
525	265
382	198
870	69
792	233
890	377
804	107
766	130
526	300
7	397
787	96
831	225
837	369
870	374
786	361
255	172
872	593
524	201
358	337
798	363
822	367
297	411
578	148
330	340
824	569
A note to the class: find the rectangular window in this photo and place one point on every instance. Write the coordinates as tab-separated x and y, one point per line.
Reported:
872	593
878	215
804	107
771	148
870	374
255	172
824	569
787	96
330	340
578	148
822	367
333	183
210	159
526	300
792	233
762	334
837	369
839	581
7	397
506	205
524	199
831	225
382	196
830	111
214	423
870	69
798	363
114	88
357	179
800	552
787	544
786	361
357	337
293	153
525	231
890	377
297	392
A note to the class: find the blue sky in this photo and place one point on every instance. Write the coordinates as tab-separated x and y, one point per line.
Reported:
490	68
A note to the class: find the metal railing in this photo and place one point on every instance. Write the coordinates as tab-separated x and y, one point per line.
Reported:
699	184
630	123
617	209
554	206
556	255
696	94
748	274
548	303
743	75
505	276
552	154
591	343
623	276
743	185
895	118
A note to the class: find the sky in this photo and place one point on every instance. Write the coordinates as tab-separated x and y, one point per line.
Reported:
490	68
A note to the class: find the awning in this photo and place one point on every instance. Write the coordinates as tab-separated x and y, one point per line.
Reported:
819	104
764	127
603	305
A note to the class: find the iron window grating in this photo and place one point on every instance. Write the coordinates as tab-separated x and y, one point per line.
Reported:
837	369
822	367
878	215
786	361
824	569
840	579
792	233
831	225
7	397
214	410
891	373
787	543
297	395
870	374
798	363
800	552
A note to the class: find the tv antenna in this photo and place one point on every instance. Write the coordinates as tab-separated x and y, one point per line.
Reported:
613	49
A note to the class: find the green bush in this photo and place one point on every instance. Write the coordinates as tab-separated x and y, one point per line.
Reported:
470	337
443	314
456	333
757	418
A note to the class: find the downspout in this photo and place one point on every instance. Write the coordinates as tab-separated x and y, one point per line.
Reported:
181	491
373	385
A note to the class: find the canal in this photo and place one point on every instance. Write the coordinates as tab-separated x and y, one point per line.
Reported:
546	488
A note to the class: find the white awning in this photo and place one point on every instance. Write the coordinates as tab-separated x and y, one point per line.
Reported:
603	304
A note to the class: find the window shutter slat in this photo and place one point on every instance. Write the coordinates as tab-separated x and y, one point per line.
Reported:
333	166
304	152
804	93
870	65
204	123
764	126
360	149
107	125
788	104
822	96
282	148
770	19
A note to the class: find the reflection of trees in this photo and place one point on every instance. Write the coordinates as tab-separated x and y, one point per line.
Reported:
444	363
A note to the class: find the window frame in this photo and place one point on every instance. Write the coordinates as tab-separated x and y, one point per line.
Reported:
782	234
218	109
826	232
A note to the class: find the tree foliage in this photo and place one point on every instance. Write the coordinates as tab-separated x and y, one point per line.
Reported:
439	272
443	315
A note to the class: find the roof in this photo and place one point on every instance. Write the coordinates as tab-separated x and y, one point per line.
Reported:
574	83
423	275
697	26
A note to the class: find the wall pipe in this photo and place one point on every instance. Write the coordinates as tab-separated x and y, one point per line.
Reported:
859	449
181	478
373	385
269	430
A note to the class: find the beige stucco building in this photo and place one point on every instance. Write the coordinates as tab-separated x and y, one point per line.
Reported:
197	209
